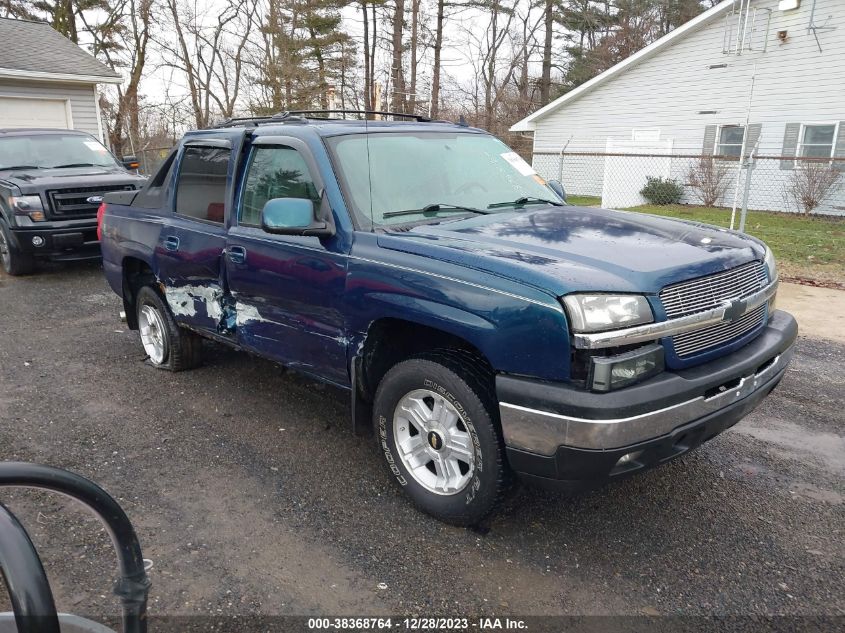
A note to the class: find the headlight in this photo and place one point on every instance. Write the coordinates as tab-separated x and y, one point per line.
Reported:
29	206
771	264
772	267
596	313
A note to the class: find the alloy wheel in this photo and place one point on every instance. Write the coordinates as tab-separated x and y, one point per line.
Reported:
433	442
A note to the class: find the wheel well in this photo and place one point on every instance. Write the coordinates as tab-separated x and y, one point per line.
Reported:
136	273
390	341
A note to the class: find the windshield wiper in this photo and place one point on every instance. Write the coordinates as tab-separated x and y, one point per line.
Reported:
433	209
521	202
75	165
11	167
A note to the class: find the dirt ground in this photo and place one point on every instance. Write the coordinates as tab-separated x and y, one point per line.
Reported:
252	497
820	311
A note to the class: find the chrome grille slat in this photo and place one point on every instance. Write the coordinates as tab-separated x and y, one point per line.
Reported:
693	342
712	291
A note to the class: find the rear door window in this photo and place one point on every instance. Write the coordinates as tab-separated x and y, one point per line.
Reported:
201	189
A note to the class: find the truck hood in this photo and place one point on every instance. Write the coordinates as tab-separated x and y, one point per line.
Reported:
567	249
35	180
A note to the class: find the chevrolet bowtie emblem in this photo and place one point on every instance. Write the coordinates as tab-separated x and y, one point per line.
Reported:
734	310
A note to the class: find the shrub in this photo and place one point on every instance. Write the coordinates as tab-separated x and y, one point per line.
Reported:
708	178
809	184
662	191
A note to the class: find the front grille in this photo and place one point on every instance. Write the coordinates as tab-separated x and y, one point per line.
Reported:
706	293
73	203
696	341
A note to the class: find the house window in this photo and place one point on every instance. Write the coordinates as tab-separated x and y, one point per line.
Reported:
729	141
817	141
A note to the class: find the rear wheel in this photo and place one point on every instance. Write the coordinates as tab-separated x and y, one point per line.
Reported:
14	262
435	418
167	345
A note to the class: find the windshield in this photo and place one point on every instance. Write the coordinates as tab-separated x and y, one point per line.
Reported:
53	150
416	175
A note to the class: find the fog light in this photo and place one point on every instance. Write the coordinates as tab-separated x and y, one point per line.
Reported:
614	372
628	458
37	241
772	305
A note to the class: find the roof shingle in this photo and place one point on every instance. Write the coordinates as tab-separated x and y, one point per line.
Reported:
36	47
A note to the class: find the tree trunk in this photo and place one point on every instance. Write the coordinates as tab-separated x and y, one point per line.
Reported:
368	80
415	15
373	57
435	73
396	74
546	75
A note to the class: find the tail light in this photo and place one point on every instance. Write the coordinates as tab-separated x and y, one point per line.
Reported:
101	211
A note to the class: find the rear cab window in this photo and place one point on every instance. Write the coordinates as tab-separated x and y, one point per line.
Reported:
201	186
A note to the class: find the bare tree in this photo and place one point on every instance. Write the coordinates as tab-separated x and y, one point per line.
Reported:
709	179
438	48
546	74
397	75
415	37
809	184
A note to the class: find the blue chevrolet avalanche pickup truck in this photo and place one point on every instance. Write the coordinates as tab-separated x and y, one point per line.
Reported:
483	326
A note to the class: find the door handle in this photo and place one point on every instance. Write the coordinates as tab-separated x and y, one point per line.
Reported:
171	243
237	254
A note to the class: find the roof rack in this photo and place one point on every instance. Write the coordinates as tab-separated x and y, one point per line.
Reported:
417	117
299	115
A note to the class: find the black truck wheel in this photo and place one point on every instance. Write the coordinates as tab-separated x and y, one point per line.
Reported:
435	425
167	345
14	262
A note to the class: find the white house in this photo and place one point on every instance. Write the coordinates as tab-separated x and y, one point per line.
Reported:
690	93
48	81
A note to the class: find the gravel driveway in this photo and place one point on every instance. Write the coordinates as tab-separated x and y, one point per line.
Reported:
252	497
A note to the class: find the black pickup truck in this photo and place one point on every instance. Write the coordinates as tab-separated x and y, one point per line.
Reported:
51	185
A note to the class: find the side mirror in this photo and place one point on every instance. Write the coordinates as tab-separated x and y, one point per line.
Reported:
294	216
557	187
130	162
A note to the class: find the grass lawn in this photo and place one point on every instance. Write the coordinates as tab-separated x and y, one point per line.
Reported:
806	247
584	201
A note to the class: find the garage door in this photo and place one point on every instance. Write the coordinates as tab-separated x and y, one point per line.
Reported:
16	112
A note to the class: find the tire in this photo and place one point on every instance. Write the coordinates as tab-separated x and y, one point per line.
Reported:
14	262
167	345
450	464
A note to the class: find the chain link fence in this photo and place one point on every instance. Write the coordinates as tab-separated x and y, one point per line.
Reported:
151	158
760	183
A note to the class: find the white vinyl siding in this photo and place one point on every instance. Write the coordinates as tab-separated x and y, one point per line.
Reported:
678	91
691	91
80	100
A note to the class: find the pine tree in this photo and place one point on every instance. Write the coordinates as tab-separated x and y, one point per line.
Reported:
308	52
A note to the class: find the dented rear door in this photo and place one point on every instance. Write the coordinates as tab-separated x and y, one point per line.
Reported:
191	244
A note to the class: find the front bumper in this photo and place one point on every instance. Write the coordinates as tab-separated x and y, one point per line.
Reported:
59	240
556	433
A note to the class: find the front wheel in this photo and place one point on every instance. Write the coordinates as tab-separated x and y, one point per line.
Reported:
167	345
435	419
14	262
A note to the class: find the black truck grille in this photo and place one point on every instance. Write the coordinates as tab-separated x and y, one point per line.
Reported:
73	203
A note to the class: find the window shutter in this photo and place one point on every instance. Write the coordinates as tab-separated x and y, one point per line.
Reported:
709	140
753	137
790	144
839	148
